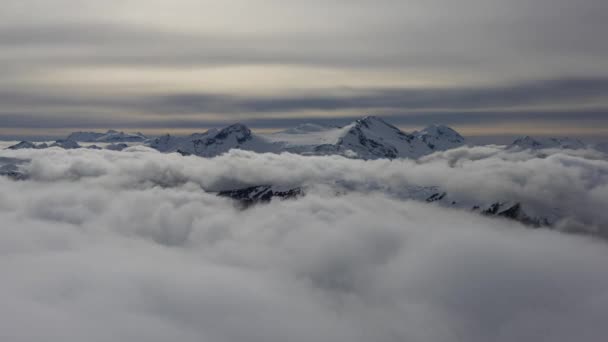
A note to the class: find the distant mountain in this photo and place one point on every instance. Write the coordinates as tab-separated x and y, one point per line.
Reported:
370	138
528	142
85	136
439	137
110	136
366	138
373	138
215	142
66	144
63	143
23	145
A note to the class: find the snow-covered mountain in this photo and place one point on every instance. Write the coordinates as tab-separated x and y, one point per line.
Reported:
528	142
366	138
85	136
63	143
25	145
110	136
121	137
439	137
372	138
66	144
215	142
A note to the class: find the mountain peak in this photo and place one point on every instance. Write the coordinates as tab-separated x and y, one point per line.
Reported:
371	120
440	137
66	144
371	137
241	132
22	145
237	127
375	124
438	128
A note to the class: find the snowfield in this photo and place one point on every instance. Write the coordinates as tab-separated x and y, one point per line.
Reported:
137	245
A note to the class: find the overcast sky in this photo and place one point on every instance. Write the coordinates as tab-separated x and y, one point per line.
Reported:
485	67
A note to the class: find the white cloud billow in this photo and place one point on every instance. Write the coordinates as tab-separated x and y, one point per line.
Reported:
106	246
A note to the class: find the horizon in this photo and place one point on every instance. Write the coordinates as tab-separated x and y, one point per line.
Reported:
471	133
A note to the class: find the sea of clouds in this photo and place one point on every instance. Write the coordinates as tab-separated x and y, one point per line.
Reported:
99	245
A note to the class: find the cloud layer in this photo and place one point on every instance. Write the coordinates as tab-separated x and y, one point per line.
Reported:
103	245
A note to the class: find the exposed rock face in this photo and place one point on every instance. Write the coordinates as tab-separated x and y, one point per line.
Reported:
260	194
513	211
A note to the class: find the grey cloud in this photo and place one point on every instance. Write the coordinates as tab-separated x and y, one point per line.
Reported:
538	38
479	174
568	98
117	44
552	92
93	248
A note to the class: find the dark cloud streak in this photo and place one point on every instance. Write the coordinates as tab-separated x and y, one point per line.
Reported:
576	102
569	91
556	93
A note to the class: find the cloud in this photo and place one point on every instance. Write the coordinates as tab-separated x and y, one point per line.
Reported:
569	103
552	92
142	58
103	245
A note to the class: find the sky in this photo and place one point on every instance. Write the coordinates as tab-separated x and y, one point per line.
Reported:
487	68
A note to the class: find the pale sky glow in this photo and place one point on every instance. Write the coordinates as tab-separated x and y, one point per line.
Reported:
114	64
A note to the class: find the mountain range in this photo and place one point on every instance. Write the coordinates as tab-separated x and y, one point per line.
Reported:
367	138
110	136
